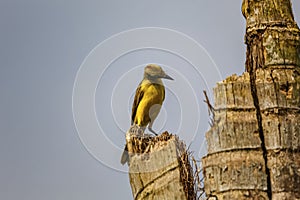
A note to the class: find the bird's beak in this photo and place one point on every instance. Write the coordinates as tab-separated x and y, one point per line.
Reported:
167	77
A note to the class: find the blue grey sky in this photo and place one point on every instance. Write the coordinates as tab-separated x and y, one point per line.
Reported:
43	45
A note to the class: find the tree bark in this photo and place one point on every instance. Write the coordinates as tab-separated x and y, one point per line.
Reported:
254	143
159	167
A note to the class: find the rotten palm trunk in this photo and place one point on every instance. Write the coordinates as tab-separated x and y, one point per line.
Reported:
254	143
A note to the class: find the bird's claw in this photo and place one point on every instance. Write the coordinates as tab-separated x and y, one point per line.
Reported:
152	131
136	130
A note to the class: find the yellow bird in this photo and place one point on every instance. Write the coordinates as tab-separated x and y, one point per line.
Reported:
148	100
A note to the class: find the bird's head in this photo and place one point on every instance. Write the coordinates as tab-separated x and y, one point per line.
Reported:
153	71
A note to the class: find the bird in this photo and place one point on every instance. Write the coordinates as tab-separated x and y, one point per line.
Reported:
149	97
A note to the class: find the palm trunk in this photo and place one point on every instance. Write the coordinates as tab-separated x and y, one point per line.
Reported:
254	143
159	167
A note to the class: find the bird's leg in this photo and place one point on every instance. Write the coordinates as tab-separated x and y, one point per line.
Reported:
152	131
150	128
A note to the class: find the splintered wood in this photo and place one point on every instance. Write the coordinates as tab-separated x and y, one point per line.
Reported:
159	167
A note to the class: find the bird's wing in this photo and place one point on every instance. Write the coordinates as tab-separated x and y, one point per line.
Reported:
164	95
162	89
139	93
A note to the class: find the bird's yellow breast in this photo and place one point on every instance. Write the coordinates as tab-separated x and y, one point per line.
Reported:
150	104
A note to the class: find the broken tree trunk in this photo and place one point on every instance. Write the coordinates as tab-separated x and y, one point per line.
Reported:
254	143
159	167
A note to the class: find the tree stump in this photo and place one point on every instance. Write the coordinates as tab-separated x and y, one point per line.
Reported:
159	167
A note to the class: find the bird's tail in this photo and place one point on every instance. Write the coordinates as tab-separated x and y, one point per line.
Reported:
125	156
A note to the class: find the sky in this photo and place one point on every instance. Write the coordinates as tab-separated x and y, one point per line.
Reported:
69	70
